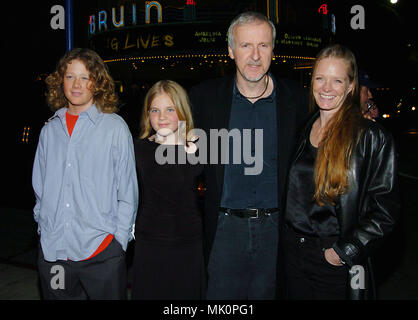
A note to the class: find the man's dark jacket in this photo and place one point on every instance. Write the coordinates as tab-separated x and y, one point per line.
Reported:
211	105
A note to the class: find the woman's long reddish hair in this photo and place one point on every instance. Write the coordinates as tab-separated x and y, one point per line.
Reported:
341	133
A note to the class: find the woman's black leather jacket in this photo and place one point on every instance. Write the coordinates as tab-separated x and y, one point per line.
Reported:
368	212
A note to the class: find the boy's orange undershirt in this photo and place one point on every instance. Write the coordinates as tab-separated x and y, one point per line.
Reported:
71	120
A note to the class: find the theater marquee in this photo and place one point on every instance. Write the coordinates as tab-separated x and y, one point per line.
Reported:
128	31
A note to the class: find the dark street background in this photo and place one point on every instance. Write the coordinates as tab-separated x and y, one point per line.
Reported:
387	49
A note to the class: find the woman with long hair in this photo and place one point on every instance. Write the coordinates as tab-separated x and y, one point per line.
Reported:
342	195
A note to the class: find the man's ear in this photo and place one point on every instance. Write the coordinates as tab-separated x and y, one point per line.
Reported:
231	53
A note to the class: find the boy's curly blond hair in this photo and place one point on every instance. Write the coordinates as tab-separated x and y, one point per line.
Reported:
103	86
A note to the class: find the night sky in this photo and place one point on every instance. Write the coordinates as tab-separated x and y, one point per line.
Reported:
30	47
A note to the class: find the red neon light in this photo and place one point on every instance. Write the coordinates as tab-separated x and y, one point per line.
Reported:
190	2
323	8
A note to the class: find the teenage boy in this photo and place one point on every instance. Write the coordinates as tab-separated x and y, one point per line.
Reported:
85	184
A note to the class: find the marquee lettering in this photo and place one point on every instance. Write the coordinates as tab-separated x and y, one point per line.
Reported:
121	22
142	41
148	6
118	17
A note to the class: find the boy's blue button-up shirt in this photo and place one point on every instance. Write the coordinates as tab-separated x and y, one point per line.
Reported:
85	184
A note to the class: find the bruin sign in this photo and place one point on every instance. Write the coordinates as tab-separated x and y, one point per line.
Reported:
117	18
103	22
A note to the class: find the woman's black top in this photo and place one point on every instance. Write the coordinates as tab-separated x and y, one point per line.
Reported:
307	217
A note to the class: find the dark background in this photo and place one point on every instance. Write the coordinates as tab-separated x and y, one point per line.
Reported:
386	48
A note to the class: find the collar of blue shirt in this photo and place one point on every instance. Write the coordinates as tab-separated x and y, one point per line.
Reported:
92	113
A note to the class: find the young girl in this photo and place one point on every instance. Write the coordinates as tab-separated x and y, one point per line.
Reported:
168	259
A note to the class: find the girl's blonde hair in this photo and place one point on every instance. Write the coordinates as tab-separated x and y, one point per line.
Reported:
180	99
103	86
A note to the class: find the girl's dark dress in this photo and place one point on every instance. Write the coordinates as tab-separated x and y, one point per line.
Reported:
168	260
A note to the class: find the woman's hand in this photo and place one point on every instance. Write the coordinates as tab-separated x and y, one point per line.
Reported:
332	257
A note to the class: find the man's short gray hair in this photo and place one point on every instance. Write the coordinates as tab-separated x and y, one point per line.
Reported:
246	18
